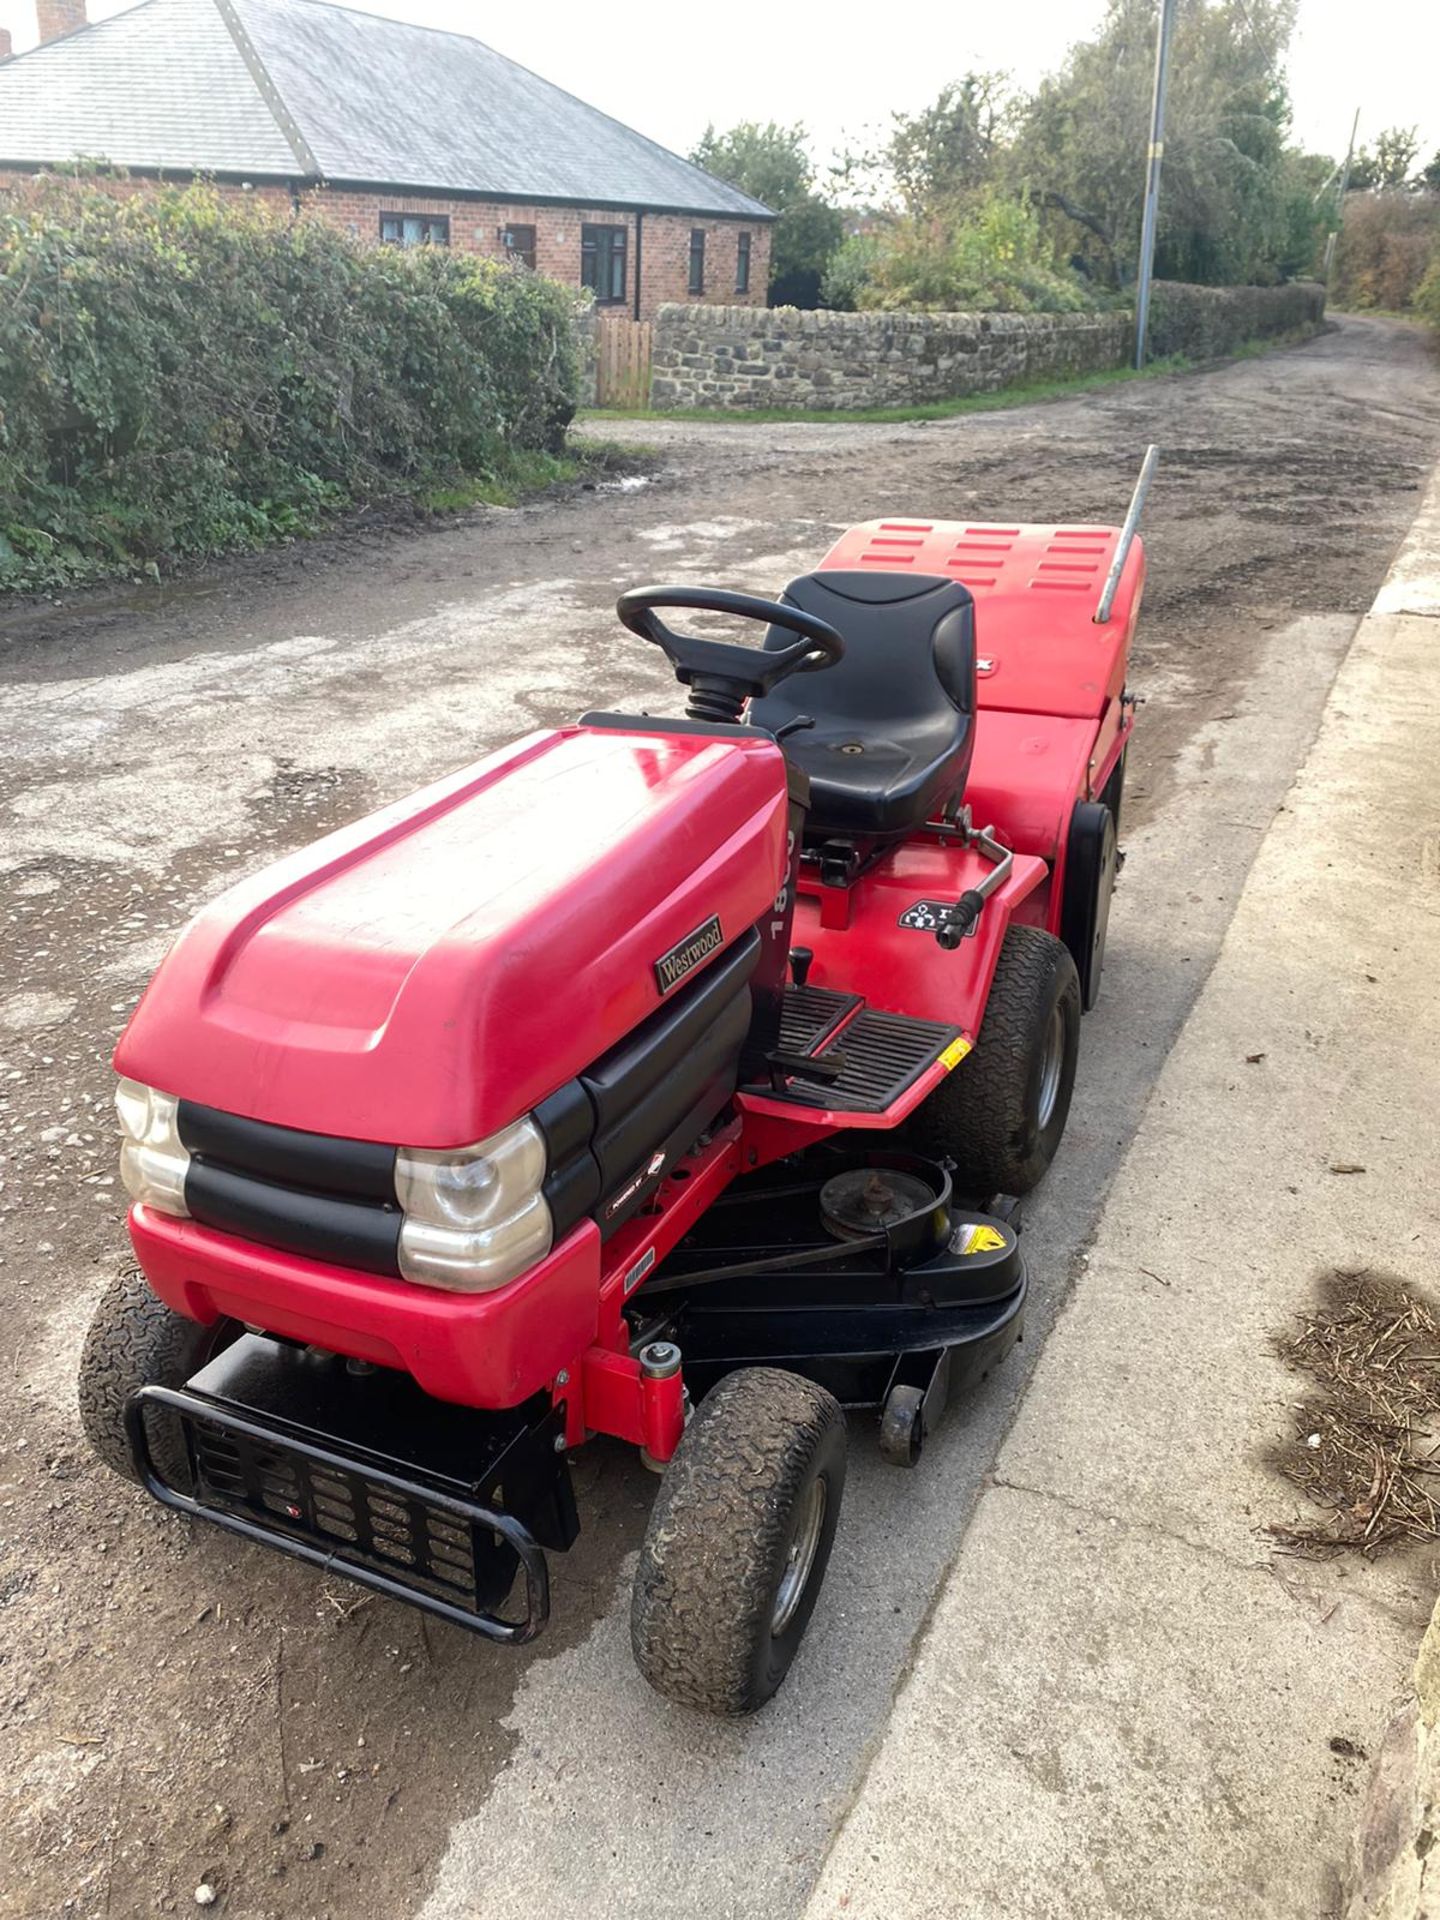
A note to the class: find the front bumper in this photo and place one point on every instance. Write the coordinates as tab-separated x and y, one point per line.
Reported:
441	1507
477	1350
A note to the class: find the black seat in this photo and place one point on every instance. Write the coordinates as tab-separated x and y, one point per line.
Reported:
894	719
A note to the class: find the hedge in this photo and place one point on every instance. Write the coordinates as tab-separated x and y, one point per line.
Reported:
180	374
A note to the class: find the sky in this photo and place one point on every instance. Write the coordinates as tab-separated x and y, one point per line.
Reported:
756	60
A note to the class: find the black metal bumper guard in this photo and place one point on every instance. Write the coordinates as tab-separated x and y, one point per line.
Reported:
412	1494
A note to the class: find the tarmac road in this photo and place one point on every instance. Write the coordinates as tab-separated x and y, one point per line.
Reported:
177	1709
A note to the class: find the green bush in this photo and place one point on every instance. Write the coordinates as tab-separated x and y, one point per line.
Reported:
843	283
993	257
1387	239
1427	295
180	374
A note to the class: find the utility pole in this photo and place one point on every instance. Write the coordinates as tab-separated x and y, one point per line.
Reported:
1334	234
1152	182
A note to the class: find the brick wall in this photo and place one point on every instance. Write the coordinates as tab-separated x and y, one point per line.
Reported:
732	357
476	227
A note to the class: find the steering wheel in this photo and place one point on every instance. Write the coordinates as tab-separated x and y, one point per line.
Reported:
721	675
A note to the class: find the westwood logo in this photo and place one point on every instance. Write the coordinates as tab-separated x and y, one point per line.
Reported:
672	967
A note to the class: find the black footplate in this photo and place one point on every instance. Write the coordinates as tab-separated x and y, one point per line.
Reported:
314	1483
810	1015
881	1054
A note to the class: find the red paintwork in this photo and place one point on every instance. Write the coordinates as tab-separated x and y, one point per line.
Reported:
479	1349
618	1400
434	971
900	971
1036	590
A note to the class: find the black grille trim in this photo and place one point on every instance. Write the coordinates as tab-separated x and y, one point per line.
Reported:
349	1233
320	1162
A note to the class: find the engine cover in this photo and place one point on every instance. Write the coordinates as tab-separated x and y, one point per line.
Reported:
429	973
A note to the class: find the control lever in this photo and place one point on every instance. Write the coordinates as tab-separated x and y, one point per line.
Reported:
803	1066
963	915
968	908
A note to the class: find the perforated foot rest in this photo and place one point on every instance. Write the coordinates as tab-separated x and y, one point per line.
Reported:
883	1054
810	1015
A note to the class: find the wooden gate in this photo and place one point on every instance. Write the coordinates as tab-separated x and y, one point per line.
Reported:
622	362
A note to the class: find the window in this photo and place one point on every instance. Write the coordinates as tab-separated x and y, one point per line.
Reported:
742	264
602	262
519	244
415	229
697	260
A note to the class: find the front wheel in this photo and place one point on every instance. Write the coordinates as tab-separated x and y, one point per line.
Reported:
738	1541
136	1341
1000	1115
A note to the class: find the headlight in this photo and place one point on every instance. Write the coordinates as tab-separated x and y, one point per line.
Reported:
475	1217
153	1158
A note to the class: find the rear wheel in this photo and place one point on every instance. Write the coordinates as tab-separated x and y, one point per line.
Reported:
1001	1114
135	1341
1113	792
738	1541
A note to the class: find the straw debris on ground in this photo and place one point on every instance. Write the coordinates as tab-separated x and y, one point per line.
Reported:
1366	1443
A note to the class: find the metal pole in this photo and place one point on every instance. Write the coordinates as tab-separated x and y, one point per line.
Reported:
1152	180
1334	234
1127	535
1349	156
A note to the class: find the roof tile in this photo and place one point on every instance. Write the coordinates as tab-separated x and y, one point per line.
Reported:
167	85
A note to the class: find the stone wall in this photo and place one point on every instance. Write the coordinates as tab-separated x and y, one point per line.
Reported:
737	358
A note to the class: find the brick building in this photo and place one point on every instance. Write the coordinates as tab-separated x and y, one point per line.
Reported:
399	134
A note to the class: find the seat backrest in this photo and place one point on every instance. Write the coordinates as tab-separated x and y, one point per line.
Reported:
892	722
909	649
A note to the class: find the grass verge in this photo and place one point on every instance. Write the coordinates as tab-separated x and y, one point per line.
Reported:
520	475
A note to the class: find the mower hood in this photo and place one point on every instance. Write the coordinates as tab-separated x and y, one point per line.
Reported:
430	973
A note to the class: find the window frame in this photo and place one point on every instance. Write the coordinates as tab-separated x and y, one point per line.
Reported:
397	217
744	247
612	248
526	255
696	278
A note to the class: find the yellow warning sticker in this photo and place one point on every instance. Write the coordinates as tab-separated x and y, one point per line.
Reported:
955	1053
981	1240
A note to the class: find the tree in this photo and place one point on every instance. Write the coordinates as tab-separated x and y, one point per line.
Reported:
1388	164
771	164
1231	191
946	152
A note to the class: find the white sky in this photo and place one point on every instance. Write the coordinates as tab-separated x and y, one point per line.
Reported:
755	60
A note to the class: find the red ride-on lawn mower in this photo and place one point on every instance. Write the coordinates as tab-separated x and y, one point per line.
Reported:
654	1078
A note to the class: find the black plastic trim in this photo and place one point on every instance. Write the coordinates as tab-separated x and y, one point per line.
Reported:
668	1078
1089	882
361	1169
349	1233
567	1121
571	1192
572	1180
